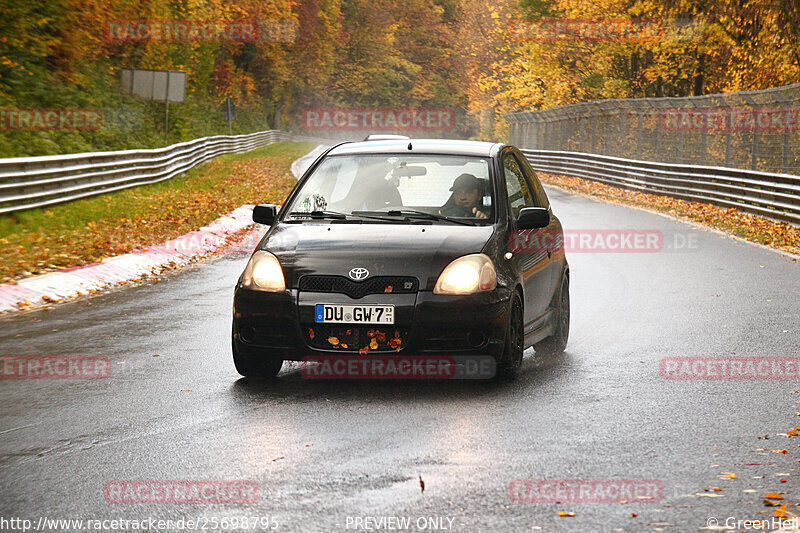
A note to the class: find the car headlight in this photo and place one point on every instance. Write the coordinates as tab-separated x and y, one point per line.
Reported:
467	275
263	273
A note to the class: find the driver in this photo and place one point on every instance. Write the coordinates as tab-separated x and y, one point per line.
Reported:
467	198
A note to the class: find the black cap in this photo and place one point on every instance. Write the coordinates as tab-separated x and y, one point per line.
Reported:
467	182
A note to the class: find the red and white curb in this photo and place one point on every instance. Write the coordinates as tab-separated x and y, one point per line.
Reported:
228	233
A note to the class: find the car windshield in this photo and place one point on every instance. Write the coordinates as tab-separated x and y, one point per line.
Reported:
399	187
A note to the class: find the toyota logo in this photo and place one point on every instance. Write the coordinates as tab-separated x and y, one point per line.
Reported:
358	273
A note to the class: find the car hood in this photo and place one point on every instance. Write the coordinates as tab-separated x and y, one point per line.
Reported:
415	250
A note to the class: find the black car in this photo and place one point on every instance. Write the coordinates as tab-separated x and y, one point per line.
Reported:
416	239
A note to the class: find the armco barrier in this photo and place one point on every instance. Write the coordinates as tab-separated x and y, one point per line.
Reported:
771	195
28	182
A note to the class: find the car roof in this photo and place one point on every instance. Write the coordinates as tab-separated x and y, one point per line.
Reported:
385	137
422	146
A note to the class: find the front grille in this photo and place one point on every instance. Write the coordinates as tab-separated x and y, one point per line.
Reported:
359	289
355	339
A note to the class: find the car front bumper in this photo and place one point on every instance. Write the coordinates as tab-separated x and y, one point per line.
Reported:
282	324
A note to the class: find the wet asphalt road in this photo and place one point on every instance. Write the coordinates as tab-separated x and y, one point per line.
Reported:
324	453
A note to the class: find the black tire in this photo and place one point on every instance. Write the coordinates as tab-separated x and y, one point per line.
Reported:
557	342
509	364
252	364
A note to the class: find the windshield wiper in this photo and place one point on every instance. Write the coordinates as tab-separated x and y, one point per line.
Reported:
336	215
413	213
319	214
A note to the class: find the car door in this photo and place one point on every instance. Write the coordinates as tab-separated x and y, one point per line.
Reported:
552	235
530	258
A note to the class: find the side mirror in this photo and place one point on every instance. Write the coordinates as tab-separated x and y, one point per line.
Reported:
265	214
533	218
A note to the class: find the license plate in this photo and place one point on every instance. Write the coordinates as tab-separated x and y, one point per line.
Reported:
354	314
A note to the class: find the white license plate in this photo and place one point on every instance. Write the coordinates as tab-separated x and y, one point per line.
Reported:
354	314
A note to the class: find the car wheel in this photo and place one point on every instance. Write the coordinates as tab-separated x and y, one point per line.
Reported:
252	364
557	342
511	361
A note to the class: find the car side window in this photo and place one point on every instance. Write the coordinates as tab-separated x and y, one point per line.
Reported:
519	194
539	195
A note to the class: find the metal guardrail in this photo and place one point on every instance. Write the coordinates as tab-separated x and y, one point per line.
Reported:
29	182
775	196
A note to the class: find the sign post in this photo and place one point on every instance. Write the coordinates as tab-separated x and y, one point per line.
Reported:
229	112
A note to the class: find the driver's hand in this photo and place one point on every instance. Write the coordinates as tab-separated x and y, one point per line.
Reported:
478	214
